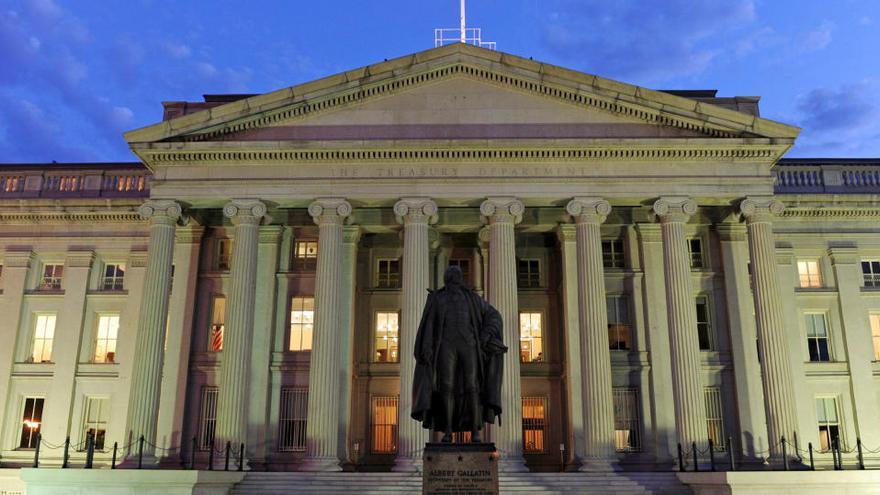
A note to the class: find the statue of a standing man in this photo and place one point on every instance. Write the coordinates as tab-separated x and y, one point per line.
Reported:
457	382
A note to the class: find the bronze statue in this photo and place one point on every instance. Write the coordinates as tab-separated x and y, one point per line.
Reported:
458	351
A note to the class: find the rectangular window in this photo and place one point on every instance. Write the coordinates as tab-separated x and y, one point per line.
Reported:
704	324
97	412
302	320
817	337
714	417
465	265
531	341
695	247
218	324
305	255
44	334
627	427
292	419
31	422
106	335
383	426
528	274
808	274
612	253
114	275
619	327
871	273
207	418
224	254
829	423
51	279
534	422
387	328
388	276
874	320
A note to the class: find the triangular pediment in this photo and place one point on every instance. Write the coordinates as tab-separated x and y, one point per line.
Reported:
460	92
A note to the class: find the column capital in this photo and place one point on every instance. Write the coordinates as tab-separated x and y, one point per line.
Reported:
760	208
843	254
565	232
245	211
18	258
502	209
415	210
329	210
161	211
270	234
588	210
674	209
649	232
351	234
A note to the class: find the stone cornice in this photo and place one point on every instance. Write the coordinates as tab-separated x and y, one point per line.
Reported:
68	217
833	212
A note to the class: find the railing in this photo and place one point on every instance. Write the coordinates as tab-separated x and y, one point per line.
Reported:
128	182
828	179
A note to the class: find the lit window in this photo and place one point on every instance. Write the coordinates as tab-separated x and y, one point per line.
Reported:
612	253
619	327
306	255
44	333
627	427
388	276
105	342
714	417
292	419
695	247
465	265
531	333
207	418
534	422
808	274
704	324
387	328
817	337
302	320
528	275
51	279
871	273
875	333
383	426
31	422
224	254
829	423
97	412
218	324
114	275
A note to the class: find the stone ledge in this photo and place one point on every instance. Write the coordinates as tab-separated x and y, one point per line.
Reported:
128	481
783	482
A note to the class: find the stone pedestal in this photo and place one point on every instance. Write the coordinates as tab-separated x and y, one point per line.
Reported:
470	468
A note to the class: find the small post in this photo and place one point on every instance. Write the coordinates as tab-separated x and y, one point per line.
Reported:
696	463
810	448
711	454
730	453
192	454
784	455
113	461
37	450
211	457
90	449
66	453
228	449
241	457
680	459
562	457
141	452
861	457
839	456
834	447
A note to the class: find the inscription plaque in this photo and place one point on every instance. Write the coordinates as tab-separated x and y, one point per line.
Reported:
460	468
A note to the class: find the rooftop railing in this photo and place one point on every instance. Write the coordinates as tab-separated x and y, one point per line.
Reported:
131	182
833	177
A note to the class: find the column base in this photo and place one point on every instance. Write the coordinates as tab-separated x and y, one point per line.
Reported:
320	464
599	465
147	462
512	465
407	465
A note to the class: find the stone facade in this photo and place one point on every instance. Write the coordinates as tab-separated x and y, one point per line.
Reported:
689	283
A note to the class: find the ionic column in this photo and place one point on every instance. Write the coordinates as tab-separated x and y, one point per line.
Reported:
684	344
567	237
351	235
322	427
769	316
233	400
502	214
415	214
146	376
597	395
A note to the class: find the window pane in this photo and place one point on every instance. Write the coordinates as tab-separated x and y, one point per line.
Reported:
627	427
292	420
105	345
534	421
218	324
875	334
531	333
383	427
306	255
302	318
97	410
619	328
207	418
714	417
44	333
704	325
386	333
808	274
31	422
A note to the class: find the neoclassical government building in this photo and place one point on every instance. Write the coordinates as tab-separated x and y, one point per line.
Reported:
664	274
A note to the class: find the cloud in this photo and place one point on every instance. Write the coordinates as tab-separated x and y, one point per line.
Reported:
817	38
30	134
176	50
843	119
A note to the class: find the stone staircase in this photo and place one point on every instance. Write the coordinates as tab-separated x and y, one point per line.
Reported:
621	483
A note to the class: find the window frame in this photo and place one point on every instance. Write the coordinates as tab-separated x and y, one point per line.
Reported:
536	275
697	259
207	426
211	347
222	261
708	324
542	338
714	403
375	338
871	277
86	424
839	423
305	263
874	325
116	281
33	341
540	424
392	436
388	280
828	345
303	325
53	282
115	340
25	429
628	320
293	402
631	396
612	258
814	280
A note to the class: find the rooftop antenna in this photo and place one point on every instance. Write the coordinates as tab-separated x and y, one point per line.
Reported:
461	34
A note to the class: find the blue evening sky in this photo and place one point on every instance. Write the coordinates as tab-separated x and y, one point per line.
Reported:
74	75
